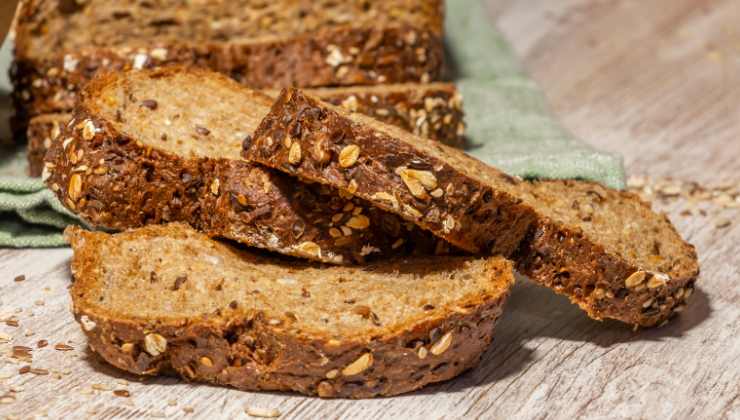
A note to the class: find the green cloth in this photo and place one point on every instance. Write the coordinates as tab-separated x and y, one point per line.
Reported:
30	214
508	125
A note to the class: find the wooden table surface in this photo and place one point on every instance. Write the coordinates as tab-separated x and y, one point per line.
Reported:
657	81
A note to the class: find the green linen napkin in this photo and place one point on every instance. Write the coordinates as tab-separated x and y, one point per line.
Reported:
508	125
30	214
508	120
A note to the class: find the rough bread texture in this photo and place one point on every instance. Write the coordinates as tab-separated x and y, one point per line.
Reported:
47	26
608	252
166	299
150	147
457	200
60	46
604	249
42	130
431	110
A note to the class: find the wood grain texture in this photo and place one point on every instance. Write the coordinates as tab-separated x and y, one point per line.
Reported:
654	80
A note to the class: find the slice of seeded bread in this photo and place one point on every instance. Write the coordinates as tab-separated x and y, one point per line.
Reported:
431	110
61	44
604	249
158	146
47	26
166	299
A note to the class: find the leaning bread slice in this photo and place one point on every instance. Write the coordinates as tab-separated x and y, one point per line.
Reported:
604	249
432	110
149	147
165	298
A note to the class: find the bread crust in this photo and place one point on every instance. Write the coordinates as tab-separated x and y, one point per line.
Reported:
248	353
470	216
432	110
554	254
563	260
114	181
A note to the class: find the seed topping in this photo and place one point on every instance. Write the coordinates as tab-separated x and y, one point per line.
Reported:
635	279
75	186
88	130
442	345
417	181
294	154
358	366
311	248
359	222
155	344
149	103
349	155
203	131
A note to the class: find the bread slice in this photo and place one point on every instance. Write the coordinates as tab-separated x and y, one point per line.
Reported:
604	249
167	299
431	110
163	145
60	44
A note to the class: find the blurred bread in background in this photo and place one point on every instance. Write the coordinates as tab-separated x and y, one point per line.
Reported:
7	11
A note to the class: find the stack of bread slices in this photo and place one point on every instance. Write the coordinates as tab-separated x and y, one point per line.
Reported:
327	239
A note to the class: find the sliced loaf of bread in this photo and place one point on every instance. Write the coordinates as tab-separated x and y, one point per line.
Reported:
604	249
167	299
61	44
158	146
431	110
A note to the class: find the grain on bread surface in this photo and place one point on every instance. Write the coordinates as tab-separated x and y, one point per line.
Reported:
431	110
290	43
164	145
581	239
41	131
447	199
48	26
165	298
608	251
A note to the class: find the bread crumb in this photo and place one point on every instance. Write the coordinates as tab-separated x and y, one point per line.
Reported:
262	412
722	223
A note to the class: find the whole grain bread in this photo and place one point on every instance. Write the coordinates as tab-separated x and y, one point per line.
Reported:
42	130
61	44
431	110
165	299
48	26
605	249
163	145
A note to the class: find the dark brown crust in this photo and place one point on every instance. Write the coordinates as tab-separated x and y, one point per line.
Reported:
118	183
469	215
248	353
384	55
557	256
41	132
432	110
564	260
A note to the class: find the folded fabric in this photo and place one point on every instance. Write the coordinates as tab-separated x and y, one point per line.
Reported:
30	214
508	121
